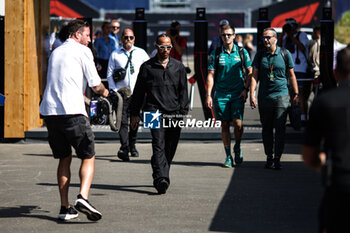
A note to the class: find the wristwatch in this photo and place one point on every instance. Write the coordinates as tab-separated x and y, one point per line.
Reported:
296	93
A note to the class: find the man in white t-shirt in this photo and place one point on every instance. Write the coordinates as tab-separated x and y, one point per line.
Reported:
71	68
119	59
297	43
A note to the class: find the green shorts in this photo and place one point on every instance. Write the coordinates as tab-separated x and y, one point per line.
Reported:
228	107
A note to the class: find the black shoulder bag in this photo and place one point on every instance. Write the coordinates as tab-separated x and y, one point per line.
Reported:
244	69
119	74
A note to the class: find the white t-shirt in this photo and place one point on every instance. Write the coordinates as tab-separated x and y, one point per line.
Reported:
118	59
71	67
303	60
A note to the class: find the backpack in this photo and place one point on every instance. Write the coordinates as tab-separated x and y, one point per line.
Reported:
241	55
294	111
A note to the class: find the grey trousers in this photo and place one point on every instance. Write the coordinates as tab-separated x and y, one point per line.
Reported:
273	116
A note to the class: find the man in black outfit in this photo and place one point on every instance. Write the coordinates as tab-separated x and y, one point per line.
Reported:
163	81
327	147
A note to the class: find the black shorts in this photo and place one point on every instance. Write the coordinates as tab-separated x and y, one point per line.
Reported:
67	131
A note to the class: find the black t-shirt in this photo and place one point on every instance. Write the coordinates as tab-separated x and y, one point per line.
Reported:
330	121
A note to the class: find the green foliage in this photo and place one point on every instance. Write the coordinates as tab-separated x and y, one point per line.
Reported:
342	29
345	20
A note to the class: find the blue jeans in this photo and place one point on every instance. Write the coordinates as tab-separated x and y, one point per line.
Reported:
273	116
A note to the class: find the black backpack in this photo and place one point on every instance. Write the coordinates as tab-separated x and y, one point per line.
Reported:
294	111
218	50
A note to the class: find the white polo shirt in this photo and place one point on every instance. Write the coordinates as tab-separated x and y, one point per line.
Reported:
118	59
71	68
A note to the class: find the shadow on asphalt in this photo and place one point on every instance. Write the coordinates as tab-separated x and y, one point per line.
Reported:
148	161
32	212
263	200
114	158
125	188
43	155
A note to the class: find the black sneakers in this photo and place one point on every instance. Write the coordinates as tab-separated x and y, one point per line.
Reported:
67	213
273	163
123	155
269	163
162	186
134	152
84	206
277	164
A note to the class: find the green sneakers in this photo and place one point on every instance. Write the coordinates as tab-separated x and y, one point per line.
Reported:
228	162
238	157
238	154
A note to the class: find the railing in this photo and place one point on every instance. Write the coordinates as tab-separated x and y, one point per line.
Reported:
164	4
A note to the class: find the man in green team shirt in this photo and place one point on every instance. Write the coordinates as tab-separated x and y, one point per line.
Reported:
270	67
225	70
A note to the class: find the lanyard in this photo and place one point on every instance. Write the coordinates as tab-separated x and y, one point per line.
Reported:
132	70
271	75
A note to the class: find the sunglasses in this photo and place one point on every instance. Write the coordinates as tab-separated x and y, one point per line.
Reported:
163	47
266	37
114	27
128	37
228	35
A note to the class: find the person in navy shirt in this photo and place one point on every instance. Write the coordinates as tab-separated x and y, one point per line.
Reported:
104	46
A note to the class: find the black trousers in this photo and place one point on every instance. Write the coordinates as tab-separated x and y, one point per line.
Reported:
164	144
104	65
127	135
334	211
103	72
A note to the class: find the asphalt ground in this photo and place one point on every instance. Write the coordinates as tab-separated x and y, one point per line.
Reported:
202	197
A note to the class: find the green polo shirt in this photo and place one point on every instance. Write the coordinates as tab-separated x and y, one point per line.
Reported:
229	77
271	88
